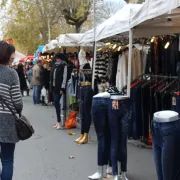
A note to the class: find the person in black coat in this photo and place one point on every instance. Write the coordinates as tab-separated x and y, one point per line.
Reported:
47	72
22	78
58	84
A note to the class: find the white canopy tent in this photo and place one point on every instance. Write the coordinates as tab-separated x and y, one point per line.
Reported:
72	40
117	24
153	17
18	56
69	40
52	46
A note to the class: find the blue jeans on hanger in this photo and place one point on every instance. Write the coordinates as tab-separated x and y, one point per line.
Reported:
7	159
178	104
101	124
119	113
135	130
166	148
86	95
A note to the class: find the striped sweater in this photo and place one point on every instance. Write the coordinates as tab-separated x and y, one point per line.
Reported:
101	66
10	92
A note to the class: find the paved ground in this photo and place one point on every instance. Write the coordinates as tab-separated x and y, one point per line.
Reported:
46	155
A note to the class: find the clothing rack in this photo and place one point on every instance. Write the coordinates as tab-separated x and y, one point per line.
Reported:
84	71
150	75
152	96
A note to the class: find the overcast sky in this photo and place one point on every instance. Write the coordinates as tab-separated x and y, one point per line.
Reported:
3	17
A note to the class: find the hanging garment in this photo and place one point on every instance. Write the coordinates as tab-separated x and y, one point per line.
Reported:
86	94
122	71
136	69
101	66
115	58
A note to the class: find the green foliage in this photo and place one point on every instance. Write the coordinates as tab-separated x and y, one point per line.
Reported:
28	20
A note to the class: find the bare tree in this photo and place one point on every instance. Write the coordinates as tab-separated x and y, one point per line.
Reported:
104	10
76	12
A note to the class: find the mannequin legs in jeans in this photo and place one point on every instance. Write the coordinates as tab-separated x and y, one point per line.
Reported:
100	118
7	159
118	122
166	148
86	94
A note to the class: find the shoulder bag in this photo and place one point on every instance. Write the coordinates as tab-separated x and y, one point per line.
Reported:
23	127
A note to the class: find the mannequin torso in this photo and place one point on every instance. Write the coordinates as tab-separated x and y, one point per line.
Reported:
102	95
166	116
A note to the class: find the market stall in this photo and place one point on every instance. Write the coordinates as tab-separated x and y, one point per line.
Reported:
117	24
18	57
52	46
39	51
160	20
142	118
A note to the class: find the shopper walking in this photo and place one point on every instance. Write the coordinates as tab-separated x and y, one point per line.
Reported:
11	93
58	83
37	82
46	81
22	78
29	75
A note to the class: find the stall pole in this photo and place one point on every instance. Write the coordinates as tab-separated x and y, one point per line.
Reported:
94	44
49	30
130	62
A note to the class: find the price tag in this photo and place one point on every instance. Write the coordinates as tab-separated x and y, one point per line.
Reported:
115	104
174	101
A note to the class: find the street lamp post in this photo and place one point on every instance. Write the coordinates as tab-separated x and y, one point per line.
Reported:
49	30
94	56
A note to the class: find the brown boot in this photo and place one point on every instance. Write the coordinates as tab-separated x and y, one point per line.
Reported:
80	138
85	139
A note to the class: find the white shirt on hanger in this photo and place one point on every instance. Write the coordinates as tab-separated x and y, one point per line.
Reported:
122	71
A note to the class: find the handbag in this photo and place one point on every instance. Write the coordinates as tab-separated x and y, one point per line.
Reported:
24	128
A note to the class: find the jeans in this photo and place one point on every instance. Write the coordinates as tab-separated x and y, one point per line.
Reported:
86	94
145	111
36	94
101	124
166	148
135	130
178	104
118	122
57	98
7	159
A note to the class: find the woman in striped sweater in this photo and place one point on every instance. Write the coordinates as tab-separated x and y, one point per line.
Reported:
10	92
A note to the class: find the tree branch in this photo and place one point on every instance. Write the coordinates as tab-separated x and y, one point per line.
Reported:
70	23
67	16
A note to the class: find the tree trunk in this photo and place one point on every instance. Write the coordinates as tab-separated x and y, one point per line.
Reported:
78	28
44	35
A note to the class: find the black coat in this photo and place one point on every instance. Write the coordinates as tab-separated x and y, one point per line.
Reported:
46	78
60	70
22	79
70	66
